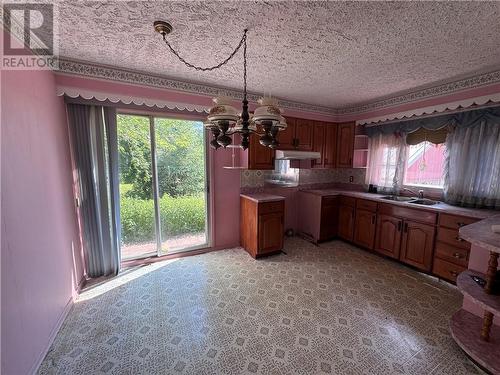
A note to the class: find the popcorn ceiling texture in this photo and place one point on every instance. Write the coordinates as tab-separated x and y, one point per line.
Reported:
332	54
256	179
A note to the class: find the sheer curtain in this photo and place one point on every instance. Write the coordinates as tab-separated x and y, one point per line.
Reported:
386	160
93	135
472	177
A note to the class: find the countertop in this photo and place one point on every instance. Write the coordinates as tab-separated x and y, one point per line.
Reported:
262	197
440	207
480	234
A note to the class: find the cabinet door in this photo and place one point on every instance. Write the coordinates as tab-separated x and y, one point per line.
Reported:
346	222
345	144
270	232
418	242
259	157
364	228
329	218
287	136
304	134
318	143
330	151
388	238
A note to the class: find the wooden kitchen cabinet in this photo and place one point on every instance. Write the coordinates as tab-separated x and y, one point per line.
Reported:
417	245
365	223
330	148
259	157
270	232
345	144
318	144
304	134
388	237
261	226
451	253
297	136
329	218
346	222
286	138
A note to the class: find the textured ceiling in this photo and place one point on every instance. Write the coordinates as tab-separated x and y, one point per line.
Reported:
334	54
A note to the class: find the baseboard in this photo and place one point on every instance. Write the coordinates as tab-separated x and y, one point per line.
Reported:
52	336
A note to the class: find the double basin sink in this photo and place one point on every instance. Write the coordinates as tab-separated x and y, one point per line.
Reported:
412	200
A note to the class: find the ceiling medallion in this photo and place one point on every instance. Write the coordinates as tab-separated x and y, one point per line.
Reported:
223	119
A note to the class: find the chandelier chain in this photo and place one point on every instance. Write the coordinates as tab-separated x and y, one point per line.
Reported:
209	68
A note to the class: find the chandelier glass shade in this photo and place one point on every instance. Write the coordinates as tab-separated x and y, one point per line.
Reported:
223	119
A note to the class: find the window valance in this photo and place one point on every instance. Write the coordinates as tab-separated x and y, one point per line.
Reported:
462	119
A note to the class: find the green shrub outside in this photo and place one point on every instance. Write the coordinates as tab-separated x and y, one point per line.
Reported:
179	215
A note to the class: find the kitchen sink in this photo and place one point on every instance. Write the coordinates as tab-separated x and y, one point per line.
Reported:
424	202
398	198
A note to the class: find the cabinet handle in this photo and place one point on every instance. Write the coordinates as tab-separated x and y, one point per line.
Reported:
373	219
457	255
459	239
399	226
406	227
350	160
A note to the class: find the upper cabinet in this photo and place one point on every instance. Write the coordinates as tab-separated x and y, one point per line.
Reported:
259	157
286	137
319	144
297	136
330	149
304	134
345	144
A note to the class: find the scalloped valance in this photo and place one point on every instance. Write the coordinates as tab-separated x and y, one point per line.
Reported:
119	98
461	119
432	110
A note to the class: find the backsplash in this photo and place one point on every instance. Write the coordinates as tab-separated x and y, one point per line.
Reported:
257	178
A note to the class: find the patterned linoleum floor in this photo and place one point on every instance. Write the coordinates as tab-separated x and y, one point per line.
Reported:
329	309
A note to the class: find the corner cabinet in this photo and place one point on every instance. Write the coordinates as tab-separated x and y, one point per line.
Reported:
345	144
262	224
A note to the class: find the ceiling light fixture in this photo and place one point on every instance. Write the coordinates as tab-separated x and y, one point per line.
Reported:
223	119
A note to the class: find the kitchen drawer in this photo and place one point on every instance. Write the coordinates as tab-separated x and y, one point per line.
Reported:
446	270
414	214
364	204
348	201
329	200
268	207
452	254
455	222
450	236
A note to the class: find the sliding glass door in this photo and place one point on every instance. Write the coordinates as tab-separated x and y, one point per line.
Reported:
163	185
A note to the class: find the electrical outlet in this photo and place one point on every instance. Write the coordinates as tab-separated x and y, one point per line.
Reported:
351	178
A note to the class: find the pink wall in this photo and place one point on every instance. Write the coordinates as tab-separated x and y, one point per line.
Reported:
41	259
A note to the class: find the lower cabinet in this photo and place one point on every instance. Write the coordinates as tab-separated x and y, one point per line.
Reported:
388	238
329	218
417	245
365	223
346	222
261	226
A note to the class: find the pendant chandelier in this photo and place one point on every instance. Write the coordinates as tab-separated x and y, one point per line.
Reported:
223	119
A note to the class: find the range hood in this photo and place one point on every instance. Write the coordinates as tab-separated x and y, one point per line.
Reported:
296	155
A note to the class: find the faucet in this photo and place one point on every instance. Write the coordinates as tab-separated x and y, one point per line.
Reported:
420	193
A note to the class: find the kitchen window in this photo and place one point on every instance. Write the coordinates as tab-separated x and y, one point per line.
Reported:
425	165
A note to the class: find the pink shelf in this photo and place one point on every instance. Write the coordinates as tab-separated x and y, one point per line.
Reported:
465	329
471	289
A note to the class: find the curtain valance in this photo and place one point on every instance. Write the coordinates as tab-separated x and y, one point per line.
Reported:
462	119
